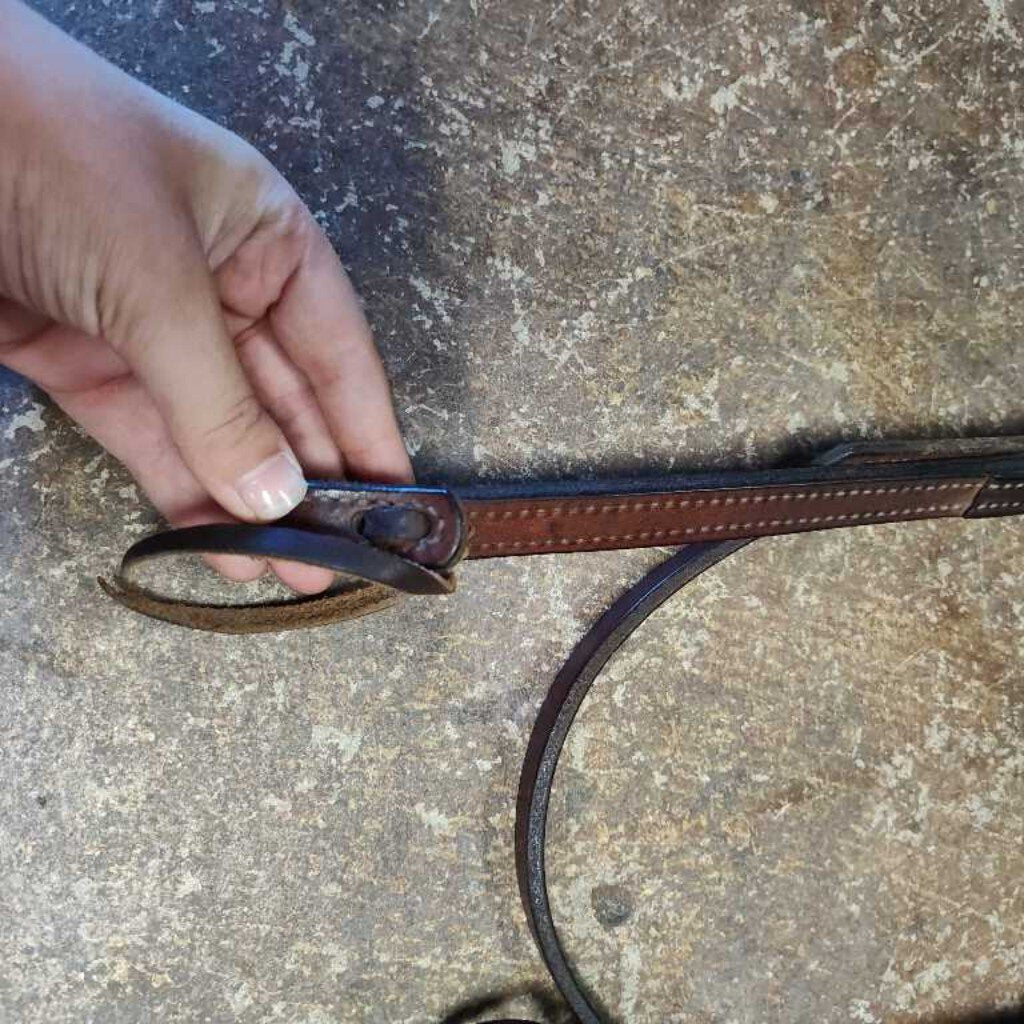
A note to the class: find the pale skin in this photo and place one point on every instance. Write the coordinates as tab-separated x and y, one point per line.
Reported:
172	294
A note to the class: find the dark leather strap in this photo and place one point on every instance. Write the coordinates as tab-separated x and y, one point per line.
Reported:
379	573
557	713
556	716
577	676
406	539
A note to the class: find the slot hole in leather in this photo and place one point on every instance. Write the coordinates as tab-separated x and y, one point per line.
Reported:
394	527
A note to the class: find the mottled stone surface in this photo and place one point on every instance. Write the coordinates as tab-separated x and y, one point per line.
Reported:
590	236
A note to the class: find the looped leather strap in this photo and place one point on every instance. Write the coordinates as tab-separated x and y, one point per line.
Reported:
718	513
557	713
380	575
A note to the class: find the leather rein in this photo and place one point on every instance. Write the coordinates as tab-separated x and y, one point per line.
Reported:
393	540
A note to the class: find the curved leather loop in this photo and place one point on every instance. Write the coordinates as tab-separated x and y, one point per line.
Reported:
561	705
556	716
381	573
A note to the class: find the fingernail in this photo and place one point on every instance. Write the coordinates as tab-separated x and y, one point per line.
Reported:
273	488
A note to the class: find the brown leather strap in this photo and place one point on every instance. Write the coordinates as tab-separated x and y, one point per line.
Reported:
565	696
407	538
853	484
537	525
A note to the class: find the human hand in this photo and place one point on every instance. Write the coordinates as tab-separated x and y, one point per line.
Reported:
170	291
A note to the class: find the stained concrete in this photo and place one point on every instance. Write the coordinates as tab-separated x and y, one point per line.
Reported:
589	236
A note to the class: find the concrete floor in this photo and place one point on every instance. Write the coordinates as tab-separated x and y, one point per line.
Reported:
591	236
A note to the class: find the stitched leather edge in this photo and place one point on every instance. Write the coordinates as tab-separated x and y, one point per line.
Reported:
523	526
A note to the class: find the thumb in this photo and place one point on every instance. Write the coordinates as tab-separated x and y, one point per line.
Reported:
175	340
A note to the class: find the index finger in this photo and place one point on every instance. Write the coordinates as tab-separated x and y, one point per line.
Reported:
320	324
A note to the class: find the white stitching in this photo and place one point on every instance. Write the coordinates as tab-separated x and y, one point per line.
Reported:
641	504
1014	503
719	528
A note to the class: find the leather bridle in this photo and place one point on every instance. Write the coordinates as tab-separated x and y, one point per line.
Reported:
409	539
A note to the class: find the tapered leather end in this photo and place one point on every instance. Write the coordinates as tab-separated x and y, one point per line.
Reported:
271	617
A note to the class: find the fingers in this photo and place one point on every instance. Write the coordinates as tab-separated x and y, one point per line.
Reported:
175	341
284	390
18	324
96	388
220	404
122	417
58	359
335	405
286	393
321	326
93	386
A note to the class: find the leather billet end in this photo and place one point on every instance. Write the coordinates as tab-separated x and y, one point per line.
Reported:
272	617
373	577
